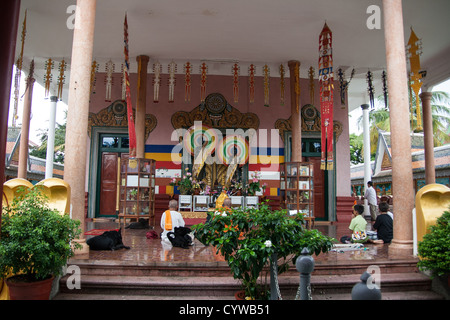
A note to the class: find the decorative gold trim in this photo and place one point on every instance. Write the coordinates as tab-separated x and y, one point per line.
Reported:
215	112
310	122
115	115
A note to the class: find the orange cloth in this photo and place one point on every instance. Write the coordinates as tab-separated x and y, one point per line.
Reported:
168	221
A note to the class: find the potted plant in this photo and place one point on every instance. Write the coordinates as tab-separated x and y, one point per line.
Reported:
434	249
248	238
35	243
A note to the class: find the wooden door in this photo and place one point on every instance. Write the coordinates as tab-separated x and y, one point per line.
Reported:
319	188
108	184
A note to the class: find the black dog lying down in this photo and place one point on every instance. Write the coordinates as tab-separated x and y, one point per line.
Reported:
108	240
180	238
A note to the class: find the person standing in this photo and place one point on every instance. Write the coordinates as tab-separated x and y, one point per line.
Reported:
371	195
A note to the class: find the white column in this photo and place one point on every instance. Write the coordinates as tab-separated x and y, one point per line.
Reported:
51	138
367	167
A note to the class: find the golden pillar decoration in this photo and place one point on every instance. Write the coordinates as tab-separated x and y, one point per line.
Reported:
414	48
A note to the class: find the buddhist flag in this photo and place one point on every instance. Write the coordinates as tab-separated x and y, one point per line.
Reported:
131	128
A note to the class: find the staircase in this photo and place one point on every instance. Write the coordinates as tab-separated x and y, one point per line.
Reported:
344	208
128	280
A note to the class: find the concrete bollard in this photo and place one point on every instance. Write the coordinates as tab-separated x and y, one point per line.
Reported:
364	291
305	265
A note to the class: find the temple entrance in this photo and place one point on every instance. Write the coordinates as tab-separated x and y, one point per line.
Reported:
111	147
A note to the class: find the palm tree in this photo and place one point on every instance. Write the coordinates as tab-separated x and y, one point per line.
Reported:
440	110
60	143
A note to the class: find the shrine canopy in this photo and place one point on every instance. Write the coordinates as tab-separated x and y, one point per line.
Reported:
249	32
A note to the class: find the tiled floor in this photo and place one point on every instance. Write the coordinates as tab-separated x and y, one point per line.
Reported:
153	250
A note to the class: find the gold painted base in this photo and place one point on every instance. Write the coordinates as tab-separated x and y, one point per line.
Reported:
84	249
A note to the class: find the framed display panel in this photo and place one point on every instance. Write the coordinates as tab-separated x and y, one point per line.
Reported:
296	189
185	203
237	201
201	203
137	189
252	202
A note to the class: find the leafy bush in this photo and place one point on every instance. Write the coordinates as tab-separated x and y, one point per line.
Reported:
34	239
248	238
434	250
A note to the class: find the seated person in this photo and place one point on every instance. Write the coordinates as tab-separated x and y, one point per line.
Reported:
383	224
358	226
171	219
226	205
223	195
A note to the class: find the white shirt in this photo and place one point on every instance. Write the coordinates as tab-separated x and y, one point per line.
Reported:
177	221
371	196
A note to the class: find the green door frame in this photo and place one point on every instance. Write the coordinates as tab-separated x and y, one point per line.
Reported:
119	149
329	179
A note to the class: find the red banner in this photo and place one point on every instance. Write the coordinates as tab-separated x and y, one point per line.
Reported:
326	96
131	128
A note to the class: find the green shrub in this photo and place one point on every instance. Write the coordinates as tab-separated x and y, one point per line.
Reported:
249	238
434	250
35	240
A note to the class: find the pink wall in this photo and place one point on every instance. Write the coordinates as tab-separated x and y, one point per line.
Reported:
163	110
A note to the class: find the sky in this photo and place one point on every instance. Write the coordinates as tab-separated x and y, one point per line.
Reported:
355	114
40	109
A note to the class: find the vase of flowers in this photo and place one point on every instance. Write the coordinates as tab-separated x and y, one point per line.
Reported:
185	184
237	188
254	184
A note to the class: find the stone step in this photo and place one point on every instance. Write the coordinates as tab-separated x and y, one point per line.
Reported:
221	269
155	286
175	286
400	295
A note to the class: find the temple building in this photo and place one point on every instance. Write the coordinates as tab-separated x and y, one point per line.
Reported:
283	75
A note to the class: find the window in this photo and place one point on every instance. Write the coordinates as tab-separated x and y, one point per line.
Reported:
110	142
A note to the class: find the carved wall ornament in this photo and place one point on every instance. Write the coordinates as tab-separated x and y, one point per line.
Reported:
215	112
115	115
311	122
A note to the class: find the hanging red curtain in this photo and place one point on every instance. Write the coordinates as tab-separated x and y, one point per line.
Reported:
131	128
326	96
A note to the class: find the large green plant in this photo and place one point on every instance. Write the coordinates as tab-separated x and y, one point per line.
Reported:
35	241
248	238
434	249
